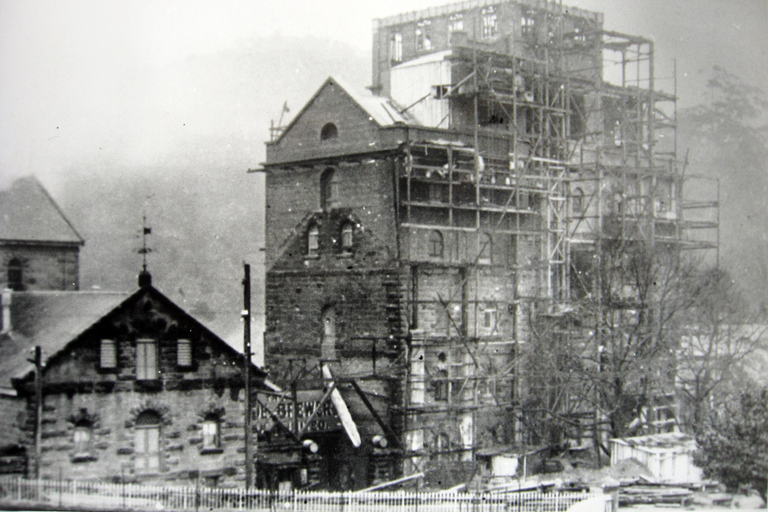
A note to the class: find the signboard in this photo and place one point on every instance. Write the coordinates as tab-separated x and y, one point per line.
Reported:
325	420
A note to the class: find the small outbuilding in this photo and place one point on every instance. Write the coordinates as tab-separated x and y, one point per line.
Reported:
669	457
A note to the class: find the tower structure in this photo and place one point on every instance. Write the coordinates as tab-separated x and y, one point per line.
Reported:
418	237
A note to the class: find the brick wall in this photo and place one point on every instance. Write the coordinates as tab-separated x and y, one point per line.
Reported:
357	132
364	191
43	267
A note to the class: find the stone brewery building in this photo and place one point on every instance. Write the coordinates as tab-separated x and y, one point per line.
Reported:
416	234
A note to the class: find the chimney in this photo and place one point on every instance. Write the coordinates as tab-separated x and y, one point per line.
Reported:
145	279
6	302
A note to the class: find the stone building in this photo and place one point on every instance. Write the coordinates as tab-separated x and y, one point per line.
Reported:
419	236
134	388
39	247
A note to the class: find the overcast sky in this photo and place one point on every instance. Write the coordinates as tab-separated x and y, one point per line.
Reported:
80	76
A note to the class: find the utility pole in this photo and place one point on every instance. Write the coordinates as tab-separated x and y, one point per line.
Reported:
247	374
38	362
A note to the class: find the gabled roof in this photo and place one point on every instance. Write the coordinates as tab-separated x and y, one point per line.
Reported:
383	111
49	320
29	214
53	320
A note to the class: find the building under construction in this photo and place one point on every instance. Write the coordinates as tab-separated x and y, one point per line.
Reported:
419	233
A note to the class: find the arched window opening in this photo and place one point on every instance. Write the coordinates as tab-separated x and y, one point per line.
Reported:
15	275
441	386
347	237
81	438
211	433
329	131
436	244
147	442
577	201
313	241
485	247
328	344
329	189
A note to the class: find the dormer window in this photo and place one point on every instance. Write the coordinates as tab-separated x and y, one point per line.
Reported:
329	131
313	241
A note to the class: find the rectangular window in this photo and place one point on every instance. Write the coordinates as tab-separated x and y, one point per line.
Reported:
456	22
184	353
423	41
528	23
489	320
147	448
489	22
396	47
108	354
146	360
210	434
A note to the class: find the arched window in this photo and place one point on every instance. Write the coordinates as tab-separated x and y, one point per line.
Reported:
329	131
211	434
81	438
313	241
329	189
15	276
347	237
147	442
577	201
485	247
441	385
328	344
436	244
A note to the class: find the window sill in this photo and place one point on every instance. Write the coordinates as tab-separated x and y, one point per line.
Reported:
83	457
344	255
312	257
210	451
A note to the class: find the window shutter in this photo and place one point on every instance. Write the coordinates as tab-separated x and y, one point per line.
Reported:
108	354
184	353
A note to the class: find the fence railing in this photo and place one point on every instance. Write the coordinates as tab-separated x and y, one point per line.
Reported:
99	495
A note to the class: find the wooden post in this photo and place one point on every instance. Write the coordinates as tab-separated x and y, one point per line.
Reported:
247	374
38	361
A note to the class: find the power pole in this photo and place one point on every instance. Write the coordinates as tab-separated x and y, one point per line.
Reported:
247	374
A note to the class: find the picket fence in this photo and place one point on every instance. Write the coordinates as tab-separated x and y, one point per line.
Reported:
99	495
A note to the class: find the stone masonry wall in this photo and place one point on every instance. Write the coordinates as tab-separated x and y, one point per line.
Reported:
43	267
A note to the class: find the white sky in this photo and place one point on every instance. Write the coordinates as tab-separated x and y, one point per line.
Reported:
78	76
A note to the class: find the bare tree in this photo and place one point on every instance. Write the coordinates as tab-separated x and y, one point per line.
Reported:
720	335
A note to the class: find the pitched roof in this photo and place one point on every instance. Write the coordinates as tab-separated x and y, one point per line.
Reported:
52	320
29	214
381	110
49	320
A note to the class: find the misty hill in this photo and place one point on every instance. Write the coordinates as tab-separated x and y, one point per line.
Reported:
202	205
204	209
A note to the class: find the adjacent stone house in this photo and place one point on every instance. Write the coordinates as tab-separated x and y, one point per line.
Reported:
39	247
134	388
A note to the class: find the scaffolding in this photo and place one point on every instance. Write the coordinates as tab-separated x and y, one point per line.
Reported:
543	152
